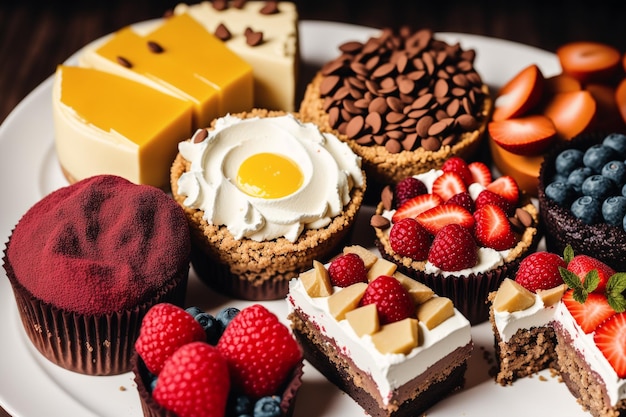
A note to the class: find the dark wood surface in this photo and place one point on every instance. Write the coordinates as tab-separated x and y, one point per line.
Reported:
35	35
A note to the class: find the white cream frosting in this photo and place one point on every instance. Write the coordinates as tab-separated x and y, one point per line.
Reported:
329	167
507	324
389	371
488	258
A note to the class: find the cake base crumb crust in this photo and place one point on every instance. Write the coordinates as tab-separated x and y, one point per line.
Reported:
412	399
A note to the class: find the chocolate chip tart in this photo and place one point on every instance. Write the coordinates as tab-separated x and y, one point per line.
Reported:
404	102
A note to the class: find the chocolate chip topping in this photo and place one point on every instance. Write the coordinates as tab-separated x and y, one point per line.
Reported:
253	38
199	135
220	4
271	7
124	62
403	91
379	221
238	4
155	47
222	32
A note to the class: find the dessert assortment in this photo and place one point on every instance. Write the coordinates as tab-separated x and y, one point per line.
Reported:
566	313
219	169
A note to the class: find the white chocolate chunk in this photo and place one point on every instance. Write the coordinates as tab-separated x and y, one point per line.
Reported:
346	299
419	292
511	297
364	320
316	281
381	267
553	295
435	311
398	337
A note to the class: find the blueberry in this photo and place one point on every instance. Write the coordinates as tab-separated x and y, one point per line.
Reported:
624	190
240	405
194	311
624	223
614	210
616	171
587	209
597	155
212	327
598	186
561	193
568	160
267	407
617	141
225	315
578	176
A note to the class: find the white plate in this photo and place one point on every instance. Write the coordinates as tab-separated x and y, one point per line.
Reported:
32	386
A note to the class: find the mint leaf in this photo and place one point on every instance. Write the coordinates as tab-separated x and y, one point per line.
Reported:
568	254
580	295
617	283
617	302
592	279
570	278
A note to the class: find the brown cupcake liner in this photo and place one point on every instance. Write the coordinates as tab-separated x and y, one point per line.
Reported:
151	408
561	228
469	293
253	284
88	344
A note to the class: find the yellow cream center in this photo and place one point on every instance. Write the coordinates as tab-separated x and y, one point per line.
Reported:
269	175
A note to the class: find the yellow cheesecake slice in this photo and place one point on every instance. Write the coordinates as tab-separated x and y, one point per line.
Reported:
274	58
106	124
179	56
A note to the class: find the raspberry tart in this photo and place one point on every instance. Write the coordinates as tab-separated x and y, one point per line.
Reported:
388	341
582	200
460	232
565	313
189	363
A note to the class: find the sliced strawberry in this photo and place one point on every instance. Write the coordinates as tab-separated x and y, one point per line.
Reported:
520	94
480	173
458	165
448	184
416	205
489	197
436	218
620	97
561	83
528	135
589	314
589	61
570	112
507	187
493	229
610	337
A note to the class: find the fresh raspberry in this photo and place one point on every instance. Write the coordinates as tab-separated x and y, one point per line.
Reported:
347	269
392	301
408	188
464	200
458	165
540	271
453	249
409	238
194	382
164	329
260	351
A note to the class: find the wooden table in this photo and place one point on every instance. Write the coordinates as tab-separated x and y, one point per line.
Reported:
36	35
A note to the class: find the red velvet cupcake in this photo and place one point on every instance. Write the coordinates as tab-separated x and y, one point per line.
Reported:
87	262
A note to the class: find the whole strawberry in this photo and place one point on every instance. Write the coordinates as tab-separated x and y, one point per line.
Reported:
194	382
347	269
581	265
540	271
259	350
164	329
392	301
409	238
453	249
407	189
